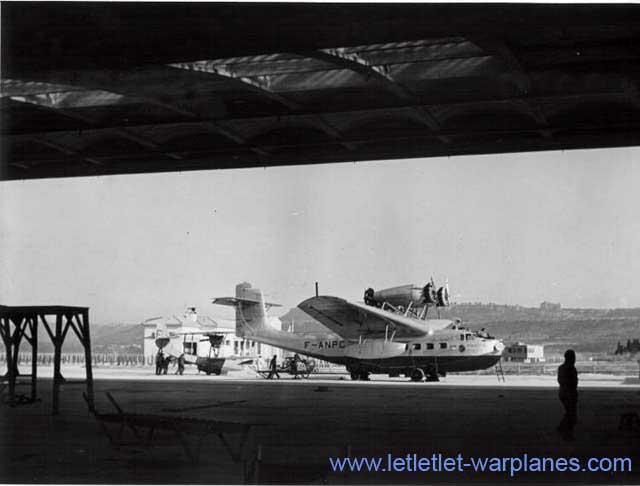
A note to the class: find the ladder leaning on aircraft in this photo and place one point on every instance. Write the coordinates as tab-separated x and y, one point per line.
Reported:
387	334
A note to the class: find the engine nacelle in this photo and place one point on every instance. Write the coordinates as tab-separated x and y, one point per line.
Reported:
396	296
408	294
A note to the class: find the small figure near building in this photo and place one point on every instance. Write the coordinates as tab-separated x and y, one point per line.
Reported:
296	364
165	365
180	369
273	368
159	361
568	394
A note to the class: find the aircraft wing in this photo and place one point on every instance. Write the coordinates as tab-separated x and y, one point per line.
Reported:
351	320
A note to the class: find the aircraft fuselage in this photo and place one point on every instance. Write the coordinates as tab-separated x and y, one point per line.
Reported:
448	350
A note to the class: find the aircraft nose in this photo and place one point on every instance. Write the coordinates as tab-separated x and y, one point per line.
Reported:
499	347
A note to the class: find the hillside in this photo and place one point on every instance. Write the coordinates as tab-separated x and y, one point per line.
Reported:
589	331
105	338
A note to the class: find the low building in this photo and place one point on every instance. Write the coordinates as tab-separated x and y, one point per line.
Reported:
550	307
524	353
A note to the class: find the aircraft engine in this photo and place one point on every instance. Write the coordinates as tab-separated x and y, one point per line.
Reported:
398	296
369	298
408	294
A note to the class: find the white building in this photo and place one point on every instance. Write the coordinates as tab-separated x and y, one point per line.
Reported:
524	353
195	342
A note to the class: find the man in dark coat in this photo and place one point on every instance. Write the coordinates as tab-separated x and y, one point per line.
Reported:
273	368
159	361
180	369
165	365
568	394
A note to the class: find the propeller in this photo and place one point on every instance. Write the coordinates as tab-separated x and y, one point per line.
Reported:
429	293
368	296
443	295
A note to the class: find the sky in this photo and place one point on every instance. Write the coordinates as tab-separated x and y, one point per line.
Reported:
511	229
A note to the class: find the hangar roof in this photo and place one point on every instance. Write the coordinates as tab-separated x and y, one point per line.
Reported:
110	88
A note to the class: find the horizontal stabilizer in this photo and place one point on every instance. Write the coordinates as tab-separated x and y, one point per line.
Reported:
203	332
234	301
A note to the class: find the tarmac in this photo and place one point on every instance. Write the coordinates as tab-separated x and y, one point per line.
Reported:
296	425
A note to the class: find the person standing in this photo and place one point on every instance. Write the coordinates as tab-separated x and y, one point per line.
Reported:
159	361
295	365
273	368
180	369
165	365
568	394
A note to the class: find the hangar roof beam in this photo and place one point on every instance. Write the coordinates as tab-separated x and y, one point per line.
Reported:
260	85
343	58
499	49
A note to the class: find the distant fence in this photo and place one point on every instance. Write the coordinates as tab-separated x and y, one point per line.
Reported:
510	368
595	367
98	359
111	359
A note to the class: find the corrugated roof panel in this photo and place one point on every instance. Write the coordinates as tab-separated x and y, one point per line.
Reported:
17	87
453	68
73	99
335	78
406	44
420	53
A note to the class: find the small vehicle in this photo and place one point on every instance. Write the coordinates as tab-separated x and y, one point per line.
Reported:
299	368
210	365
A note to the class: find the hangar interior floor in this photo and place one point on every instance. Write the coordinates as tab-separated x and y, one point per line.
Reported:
300	424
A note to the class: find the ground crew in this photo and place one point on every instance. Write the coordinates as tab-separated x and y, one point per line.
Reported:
180	369
273	368
165	367
159	361
568	394
295	365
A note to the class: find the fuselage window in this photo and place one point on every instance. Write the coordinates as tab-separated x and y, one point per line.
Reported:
416	346
443	345
429	345
461	337
469	337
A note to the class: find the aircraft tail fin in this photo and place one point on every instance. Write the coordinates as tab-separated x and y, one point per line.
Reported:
251	309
